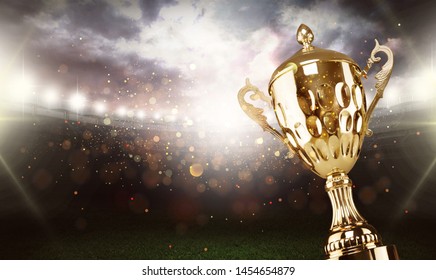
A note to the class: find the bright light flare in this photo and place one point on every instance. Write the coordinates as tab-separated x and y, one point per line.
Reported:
32	206
100	107
121	111
20	88
224	116
428	172
419	88
77	101
140	115
424	85
50	97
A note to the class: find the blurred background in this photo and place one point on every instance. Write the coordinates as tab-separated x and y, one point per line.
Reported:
121	136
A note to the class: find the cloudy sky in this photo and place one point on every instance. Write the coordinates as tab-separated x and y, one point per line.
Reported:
186	60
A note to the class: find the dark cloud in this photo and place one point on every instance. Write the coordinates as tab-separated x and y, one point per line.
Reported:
15	10
245	16
387	13
14	31
151	8
101	18
409	21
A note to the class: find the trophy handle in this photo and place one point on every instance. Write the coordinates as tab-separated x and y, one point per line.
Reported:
382	76
255	113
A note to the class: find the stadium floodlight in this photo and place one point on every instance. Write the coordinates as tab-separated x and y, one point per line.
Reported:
20	88
121	111
77	101
50	97
140	115
100	107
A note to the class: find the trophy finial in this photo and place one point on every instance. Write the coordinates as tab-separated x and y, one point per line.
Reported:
305	37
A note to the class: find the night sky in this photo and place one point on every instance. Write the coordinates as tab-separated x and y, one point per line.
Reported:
131	106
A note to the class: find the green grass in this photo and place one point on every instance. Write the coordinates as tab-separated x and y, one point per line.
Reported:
133	237
136	237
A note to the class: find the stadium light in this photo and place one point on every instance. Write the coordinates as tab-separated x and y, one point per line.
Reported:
50	97
140	115
20	88
121	111
77	101
100	107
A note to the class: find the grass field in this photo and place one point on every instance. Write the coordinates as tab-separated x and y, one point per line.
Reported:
136	237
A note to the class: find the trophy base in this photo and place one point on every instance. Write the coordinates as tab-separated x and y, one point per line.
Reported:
388	252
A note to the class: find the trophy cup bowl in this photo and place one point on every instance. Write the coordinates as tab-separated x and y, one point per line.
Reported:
320	105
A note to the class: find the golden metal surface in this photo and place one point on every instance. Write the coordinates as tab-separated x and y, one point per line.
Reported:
320	104
256	113
388	252
308	54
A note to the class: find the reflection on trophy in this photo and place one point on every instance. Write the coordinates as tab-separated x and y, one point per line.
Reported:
320	105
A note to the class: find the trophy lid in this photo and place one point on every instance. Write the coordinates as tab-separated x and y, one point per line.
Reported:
308	54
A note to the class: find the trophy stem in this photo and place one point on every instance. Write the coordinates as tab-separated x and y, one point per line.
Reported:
351	237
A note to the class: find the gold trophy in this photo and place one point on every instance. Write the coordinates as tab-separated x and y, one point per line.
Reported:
320	106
